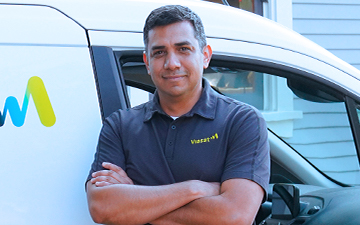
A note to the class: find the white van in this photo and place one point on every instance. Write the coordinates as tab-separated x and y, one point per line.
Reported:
66	65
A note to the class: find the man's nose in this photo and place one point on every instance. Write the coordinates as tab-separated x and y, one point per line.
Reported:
172	61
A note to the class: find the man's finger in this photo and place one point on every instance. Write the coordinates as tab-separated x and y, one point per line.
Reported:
111	176
115	168
107	179
102	184
124	178
121	179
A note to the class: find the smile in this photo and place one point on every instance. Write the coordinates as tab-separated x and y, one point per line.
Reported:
174	77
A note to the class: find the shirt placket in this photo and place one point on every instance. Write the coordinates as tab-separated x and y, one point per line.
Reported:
170	140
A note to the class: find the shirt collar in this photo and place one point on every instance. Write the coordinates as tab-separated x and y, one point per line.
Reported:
204	107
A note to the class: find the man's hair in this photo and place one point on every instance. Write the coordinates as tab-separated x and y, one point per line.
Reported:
170	14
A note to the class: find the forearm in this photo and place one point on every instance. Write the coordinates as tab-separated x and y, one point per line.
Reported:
133	204
207	210
237	204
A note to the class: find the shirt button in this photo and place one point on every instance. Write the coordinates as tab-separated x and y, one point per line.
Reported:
173	127
170	143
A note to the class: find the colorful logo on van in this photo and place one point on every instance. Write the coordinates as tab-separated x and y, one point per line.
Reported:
36	89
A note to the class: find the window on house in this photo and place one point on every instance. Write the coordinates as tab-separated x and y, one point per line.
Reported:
243	85
254	6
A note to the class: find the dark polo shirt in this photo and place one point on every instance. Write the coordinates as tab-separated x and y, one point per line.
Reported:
219	139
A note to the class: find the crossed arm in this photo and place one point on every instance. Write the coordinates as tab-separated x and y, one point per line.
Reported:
114	199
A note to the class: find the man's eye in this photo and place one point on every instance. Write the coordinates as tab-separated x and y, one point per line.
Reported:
184	49
158	53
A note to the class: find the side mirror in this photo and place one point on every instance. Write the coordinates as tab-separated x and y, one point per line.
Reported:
285	201
312	91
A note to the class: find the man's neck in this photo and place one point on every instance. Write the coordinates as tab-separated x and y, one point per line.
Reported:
178	106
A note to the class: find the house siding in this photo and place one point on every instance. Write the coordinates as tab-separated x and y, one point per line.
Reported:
324	137
324	130
335	25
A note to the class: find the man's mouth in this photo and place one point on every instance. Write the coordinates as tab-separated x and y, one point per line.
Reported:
174	77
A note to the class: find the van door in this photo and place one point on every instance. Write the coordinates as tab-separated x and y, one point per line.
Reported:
50	117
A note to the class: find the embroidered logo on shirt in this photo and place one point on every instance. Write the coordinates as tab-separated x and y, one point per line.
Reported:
204	140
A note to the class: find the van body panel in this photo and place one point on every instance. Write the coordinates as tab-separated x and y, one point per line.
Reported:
44	168
117	40
46	72
117	16
38	25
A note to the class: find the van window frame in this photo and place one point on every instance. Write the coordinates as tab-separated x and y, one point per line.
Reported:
110	84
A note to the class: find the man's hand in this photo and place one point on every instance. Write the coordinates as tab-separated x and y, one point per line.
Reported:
238	204
114	175
113	201
207	188
236	201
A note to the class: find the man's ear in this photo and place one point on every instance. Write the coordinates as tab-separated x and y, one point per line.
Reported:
145	59
207	56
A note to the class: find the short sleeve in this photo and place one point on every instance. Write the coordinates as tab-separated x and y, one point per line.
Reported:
248	150
109	148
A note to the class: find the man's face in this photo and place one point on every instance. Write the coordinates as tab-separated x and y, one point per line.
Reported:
175	61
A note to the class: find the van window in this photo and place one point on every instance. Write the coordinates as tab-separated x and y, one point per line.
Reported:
242	85
324	137
319	131
138	96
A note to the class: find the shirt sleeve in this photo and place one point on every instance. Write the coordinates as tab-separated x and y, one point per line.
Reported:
109	148
248	154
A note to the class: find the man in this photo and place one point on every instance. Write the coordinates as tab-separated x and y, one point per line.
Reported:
190	155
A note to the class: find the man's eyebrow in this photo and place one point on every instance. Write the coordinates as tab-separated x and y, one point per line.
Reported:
182	43
157	47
